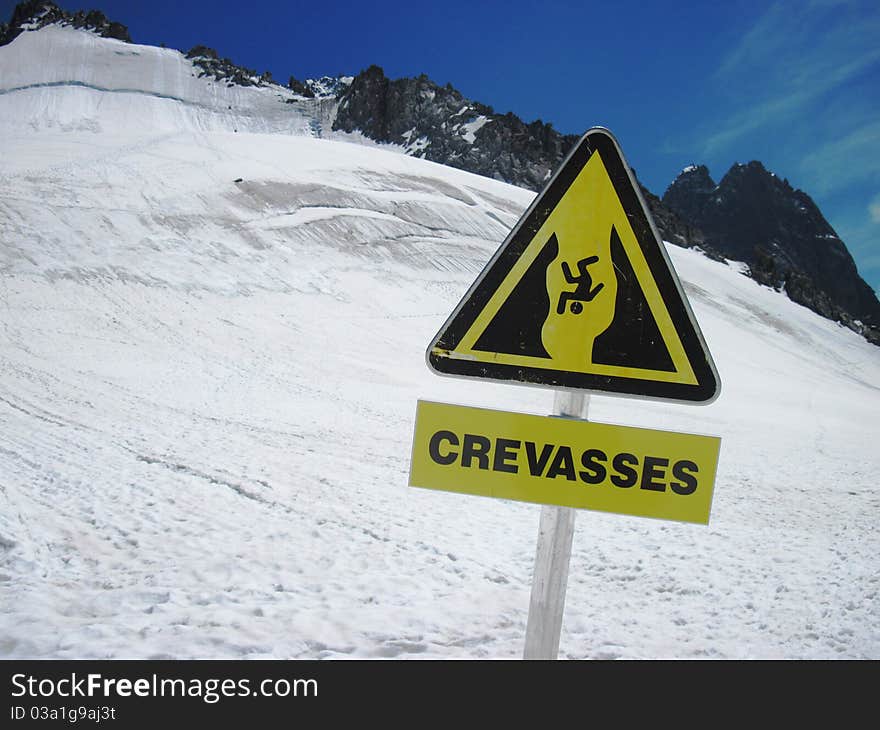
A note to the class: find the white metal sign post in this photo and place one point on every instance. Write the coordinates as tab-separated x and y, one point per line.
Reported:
552	557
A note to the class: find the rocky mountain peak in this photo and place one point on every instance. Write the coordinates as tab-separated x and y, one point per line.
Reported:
694	179
755	177
36	14
690	191
756	217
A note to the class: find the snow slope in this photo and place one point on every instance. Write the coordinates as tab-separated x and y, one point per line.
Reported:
69	79
207	392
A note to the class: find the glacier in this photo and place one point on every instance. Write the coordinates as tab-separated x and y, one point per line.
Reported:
213	317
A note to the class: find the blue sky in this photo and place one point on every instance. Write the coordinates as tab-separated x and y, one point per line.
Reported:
795	84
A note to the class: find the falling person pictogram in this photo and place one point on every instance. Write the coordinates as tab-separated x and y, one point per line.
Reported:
585	291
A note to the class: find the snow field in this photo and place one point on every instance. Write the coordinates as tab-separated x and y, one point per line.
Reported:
207	393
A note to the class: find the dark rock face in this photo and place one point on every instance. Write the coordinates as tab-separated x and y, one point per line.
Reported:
437	123
755	217
298	87
223	69
675	228
689	192
35	14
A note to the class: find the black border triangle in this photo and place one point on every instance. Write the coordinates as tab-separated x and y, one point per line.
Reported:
597	139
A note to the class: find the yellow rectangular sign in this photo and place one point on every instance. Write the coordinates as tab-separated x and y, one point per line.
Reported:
564	461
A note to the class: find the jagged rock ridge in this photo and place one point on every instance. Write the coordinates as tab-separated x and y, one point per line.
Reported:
223	69
778	231
439	124
35	14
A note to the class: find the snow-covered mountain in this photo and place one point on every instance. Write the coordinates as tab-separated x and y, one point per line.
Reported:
212	335
61	78
777	231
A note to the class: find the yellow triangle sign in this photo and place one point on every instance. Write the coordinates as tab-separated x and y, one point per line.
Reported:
582	295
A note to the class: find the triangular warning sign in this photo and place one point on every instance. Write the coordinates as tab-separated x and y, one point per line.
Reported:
582	295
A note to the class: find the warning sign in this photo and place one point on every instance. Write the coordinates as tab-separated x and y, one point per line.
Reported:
582	295
562	461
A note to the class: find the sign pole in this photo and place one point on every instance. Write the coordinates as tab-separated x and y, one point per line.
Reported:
581	296
550	577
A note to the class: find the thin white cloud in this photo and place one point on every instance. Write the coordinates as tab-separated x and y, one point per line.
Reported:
753	118
874	212
798	44
789	60
849	159
761	41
